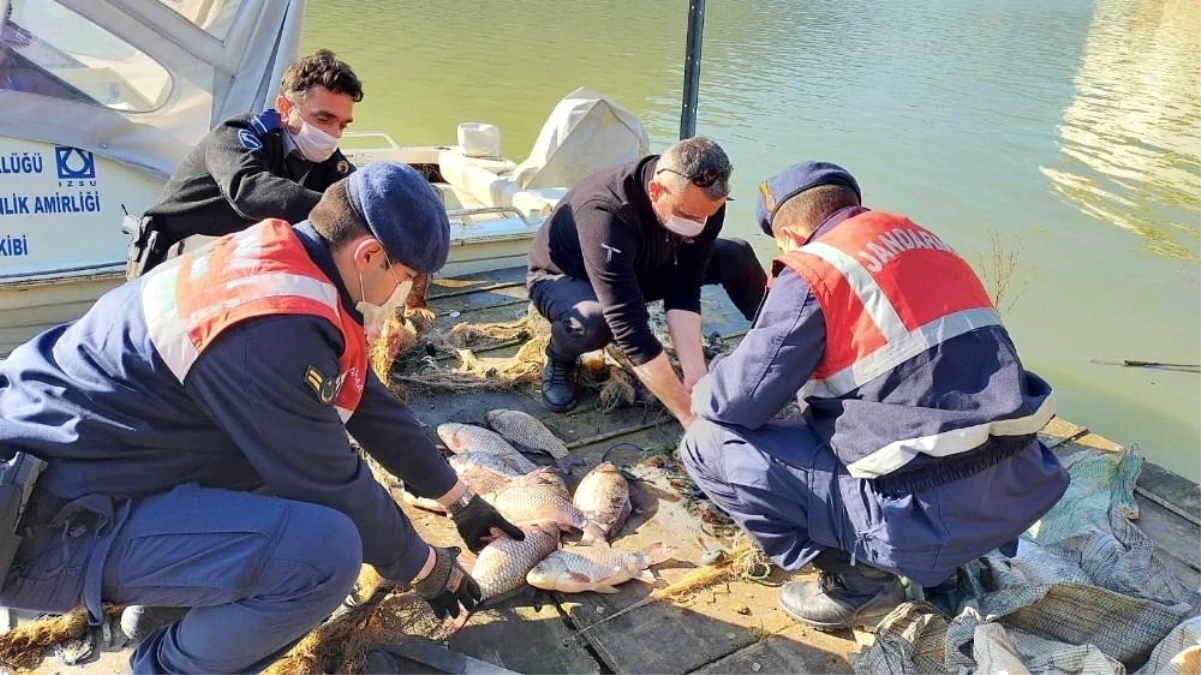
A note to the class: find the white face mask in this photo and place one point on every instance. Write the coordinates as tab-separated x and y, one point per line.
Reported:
316	145
685	227
375	316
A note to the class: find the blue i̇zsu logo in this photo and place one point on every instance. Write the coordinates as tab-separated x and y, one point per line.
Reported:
74	164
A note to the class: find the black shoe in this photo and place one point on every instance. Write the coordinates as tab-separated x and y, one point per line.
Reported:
139	621
851	596
558	383
946	597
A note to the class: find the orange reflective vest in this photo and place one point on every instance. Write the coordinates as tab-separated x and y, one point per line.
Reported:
891	291
261	271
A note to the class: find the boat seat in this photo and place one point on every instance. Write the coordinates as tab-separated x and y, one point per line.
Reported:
486	181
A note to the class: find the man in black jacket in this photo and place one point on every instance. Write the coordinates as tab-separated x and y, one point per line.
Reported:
629	235
275	164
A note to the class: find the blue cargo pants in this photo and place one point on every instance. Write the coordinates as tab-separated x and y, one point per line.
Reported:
790	492
257	572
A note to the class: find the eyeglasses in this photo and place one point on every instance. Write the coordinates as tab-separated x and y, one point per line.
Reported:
703	178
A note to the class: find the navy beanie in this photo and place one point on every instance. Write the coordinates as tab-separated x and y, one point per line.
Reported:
403	212
794	180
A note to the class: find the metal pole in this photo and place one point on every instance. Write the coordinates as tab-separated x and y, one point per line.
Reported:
692	67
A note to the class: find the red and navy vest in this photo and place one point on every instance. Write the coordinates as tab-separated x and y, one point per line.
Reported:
261	271
892	293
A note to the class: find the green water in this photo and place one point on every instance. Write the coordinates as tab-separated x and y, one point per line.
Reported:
1069	130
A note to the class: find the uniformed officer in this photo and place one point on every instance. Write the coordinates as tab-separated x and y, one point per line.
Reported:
194	424
624	237
917	448
274	164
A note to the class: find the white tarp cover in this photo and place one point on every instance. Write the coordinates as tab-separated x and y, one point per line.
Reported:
1084	594
585	133
212	79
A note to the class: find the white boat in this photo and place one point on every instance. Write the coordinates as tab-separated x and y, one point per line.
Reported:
102	98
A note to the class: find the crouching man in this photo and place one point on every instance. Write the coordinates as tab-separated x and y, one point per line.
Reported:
917	448
624	237
193	426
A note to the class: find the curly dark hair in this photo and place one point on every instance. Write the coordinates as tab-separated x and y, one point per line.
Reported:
323	68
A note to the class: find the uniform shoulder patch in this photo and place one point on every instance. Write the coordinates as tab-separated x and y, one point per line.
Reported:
248	140
326	388
265	122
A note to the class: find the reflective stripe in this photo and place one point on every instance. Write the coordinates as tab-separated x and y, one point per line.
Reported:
875	302
899	351
169	332
275	284
953	442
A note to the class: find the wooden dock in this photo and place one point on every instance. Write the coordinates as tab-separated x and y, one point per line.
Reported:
731	629
737	631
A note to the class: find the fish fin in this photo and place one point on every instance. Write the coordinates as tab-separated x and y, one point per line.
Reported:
607	590
658	553
646	576
580	577
594	534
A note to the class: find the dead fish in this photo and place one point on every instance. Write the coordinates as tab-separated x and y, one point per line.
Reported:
595	568
603	496
532	502
503	564
525	430
462	438
483	472
543	475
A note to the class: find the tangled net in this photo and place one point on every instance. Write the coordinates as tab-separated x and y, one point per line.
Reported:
341	644
23	648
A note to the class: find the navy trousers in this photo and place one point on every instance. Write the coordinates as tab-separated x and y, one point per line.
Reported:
257	573
790	492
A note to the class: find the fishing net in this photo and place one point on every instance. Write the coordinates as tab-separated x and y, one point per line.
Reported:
1083	594
23	648
341	644
421	357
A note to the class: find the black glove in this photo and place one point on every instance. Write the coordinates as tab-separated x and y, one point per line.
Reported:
475	519
448	586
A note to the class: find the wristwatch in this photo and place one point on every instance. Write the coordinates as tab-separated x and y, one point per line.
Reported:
456	507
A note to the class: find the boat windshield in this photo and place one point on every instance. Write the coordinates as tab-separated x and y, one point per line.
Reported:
49	50
214	16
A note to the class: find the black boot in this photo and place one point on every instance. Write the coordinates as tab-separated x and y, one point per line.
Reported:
845	596
558	383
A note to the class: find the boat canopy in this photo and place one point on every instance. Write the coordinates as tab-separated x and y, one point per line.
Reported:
139	81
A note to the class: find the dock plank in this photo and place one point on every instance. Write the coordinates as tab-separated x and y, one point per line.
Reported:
798	649
466	304
444	287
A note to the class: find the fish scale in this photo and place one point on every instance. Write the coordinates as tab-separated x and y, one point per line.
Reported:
527	501
482	471
503	564
526	430
462	438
